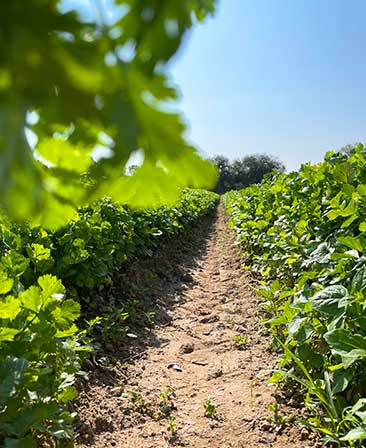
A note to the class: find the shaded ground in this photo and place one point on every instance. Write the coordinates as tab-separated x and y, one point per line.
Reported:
206	354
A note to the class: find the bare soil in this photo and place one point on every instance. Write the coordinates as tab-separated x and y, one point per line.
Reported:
151	392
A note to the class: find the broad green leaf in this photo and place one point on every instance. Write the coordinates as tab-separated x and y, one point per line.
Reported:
62	154
349	221
295	324
31	416
78	81
305	332
351	242
38	252
51	287
68	394
341	380
301	227
12	371
354	434
23	442
359	281
334	214
6	283
350	347
350	210
70	310
342	172
69	332
8	334
331	300
9	307
309	357
19	179
362	227
31	299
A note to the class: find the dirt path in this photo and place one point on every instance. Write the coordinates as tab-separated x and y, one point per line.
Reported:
194	357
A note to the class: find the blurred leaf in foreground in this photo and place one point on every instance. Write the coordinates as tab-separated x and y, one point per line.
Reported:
69	86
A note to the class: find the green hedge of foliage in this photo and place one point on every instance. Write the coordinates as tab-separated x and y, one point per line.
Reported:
40	345
305	233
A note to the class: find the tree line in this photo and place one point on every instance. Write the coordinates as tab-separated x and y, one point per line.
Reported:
240	173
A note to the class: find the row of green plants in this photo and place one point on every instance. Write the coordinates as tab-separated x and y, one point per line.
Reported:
304	233
41	275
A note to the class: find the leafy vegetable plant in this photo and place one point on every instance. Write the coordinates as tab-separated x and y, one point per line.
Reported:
39	358
41	349
210	406
305	233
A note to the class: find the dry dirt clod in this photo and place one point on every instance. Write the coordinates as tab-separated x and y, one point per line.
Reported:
215	373
186	348
209	319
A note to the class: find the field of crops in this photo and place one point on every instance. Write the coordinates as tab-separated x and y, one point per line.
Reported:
305	234
140	309
42	273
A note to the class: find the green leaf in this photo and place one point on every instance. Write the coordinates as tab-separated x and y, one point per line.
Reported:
9	307
70	310
359	281
51	287
331	300
31	299
69	332
8	334
309	356
6	283
341	380
79	96
358	433
29	417
63	154
38	252
68	394
350	347
351	242
349	221
12	371
295	324
362	227
23	442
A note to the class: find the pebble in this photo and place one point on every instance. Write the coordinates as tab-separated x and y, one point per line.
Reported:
214	373
186	348
116	391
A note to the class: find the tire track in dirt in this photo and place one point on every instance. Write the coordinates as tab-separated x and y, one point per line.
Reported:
217	305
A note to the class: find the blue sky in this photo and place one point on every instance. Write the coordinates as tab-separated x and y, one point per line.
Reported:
285	77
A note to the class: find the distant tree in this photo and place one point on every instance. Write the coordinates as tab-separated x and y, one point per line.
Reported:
224	178
256	166
241	173
346	149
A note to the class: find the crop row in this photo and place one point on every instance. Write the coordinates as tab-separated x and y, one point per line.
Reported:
305	234
41	348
